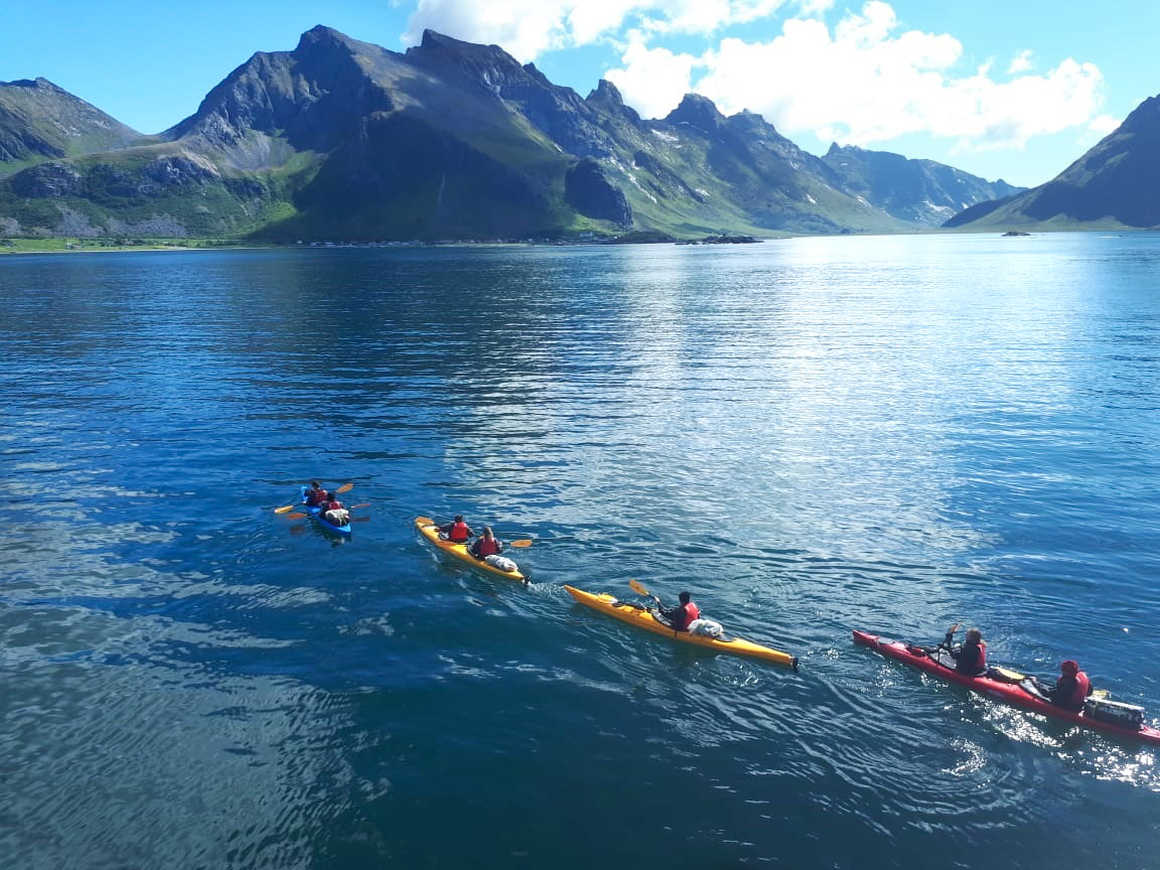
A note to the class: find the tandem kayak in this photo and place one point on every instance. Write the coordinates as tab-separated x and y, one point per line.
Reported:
636	615
459	552
1012	693
316	512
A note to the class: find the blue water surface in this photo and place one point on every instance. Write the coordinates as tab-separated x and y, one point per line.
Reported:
812	435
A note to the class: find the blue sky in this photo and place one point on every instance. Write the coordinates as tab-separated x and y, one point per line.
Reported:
1002	89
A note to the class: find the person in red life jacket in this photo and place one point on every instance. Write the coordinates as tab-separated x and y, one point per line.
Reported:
1072	687
316	496
458	532
680	616
971	657
334	512
486	545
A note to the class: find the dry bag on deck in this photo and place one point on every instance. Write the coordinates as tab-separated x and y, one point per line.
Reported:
706	628
1115	713
502	562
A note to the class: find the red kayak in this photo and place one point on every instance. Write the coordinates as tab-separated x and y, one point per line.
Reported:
1006	691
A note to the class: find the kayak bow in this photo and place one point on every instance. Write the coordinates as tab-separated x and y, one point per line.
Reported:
460	553
1009	693
642	618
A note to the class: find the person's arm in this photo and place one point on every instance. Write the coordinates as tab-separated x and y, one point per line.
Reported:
498	545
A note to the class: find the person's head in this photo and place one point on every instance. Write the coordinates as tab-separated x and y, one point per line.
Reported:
1070	668
683	598
459	518
974	636
487	532
314	484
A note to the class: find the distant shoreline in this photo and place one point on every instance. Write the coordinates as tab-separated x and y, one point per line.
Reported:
12	246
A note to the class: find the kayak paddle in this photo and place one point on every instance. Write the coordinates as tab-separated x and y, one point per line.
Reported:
346	487
364	504
283	509
639	589
521	544
295	516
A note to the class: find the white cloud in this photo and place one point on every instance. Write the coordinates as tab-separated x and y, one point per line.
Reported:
653	79
1103	124
1020	63
816	7
865	82
528	28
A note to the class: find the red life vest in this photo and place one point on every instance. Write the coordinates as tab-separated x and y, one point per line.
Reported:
487	548
685	615
332	505
459	533
316	497
1079	694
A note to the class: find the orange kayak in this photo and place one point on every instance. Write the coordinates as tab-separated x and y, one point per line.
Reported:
636	615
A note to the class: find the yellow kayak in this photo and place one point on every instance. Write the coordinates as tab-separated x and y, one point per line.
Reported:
638	616
430	531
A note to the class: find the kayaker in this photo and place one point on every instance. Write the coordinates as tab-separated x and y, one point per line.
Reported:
486	545
680	616
316	495
971	657
334	512
457	531
1072	687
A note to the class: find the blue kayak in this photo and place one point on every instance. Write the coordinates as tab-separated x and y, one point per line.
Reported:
316	512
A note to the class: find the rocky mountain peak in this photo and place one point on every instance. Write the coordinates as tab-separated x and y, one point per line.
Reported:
697	111
606	93
38	82
749	123
488	67
1144	118
606	99
322	36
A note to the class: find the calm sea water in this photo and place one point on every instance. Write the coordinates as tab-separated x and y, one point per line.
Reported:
812	435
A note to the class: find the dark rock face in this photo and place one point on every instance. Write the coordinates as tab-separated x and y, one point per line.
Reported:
181	169
588	191
48	180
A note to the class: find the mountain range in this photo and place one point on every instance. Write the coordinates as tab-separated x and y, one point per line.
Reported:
343	140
